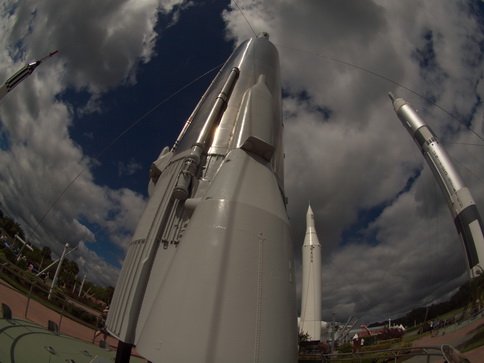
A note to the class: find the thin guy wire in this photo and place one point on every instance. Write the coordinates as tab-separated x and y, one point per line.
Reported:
250	26
113	142
388	80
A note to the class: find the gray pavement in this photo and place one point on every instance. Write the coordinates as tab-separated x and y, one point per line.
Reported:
453	335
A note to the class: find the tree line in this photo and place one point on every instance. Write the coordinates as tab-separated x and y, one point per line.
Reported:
37	259
468	294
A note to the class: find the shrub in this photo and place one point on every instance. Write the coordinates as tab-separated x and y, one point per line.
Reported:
345	348
391	333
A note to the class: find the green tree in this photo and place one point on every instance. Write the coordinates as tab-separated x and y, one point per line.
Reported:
69	272
9	255
107	294
303	337
102	293
45	257
12	227
46	253
33	256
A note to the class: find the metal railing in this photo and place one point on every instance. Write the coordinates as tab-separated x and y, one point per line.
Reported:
35	289
389	354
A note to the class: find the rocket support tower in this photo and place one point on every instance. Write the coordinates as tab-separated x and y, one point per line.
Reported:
208	276
311	281
459	199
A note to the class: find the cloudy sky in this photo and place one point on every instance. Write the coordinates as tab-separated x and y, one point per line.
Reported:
78	136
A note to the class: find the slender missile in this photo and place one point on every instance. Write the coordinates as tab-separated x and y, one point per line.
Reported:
459	199
311	281
208	276
23	73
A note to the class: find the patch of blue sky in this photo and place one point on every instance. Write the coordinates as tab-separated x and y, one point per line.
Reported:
141	107
358	232
4	141
102	245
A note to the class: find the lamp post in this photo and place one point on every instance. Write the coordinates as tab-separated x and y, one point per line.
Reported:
57	270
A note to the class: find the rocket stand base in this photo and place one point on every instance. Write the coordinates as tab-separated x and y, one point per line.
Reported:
123	354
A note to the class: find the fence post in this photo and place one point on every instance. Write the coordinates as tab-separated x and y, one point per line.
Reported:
28	299
62	312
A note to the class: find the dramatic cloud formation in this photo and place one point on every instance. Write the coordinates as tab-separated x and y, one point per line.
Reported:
389	243
46	177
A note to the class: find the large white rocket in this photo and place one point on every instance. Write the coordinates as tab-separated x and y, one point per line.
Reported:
310	322
208	276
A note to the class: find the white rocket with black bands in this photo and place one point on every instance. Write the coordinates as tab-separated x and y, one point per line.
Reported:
208	276
459	199
21	74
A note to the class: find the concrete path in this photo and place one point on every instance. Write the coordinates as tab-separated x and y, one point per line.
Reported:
453	335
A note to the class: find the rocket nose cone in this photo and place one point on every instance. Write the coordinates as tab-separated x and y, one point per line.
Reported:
397	102
309	217
310	210
311	237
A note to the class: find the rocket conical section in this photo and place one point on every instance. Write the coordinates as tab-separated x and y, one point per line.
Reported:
311	238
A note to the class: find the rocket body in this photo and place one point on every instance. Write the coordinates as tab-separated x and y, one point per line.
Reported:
17	78
208	275
459	199
21	74
311	281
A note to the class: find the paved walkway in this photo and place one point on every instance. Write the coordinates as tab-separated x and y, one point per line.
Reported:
454	336
40	314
